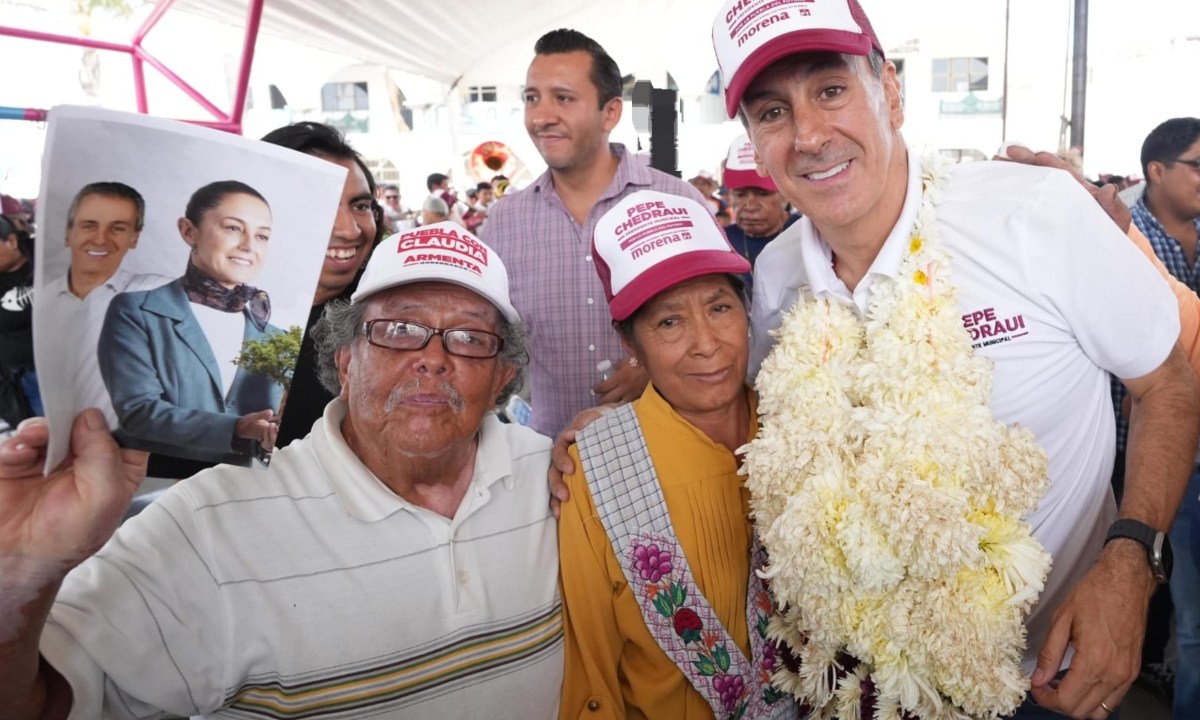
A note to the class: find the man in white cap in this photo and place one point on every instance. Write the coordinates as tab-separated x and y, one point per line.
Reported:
1045	288
398	562
760	213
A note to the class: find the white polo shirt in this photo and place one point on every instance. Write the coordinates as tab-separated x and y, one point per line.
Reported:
311	589
1055	295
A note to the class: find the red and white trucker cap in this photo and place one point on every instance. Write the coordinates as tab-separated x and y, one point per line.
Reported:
651	241
442	252
740	170
749	35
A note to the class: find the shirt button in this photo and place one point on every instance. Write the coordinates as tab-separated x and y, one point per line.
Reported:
593	705
591	348
590	301
588	258
463	577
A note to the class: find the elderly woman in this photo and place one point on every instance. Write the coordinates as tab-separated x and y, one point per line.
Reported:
167	355
664	617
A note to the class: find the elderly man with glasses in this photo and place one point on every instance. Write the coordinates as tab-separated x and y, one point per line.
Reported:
397	562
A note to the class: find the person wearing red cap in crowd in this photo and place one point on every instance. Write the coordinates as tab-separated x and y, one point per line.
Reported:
1043	287
760	212
11	208
663	614
397	562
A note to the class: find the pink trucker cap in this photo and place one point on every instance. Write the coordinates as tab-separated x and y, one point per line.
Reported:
740	170
749	35
651	241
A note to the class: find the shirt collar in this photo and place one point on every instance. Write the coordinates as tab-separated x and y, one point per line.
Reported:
364	496
654	405
631	170
117	282
818	256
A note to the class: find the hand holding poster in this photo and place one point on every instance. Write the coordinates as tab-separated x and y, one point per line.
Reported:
166	248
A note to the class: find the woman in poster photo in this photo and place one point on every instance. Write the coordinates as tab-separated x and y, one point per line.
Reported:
167	355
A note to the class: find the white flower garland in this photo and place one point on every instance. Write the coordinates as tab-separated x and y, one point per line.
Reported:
890	501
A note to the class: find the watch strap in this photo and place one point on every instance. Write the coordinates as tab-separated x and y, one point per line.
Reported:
1150	538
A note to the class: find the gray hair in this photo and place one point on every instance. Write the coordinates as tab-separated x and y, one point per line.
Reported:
436	205
112	190
339	324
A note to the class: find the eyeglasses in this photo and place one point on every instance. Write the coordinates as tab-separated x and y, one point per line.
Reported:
404	335
1194	162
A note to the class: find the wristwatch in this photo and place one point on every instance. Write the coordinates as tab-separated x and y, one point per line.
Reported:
1157	544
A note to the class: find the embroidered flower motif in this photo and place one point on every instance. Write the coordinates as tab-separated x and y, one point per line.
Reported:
687	625
650	562
872	427
730	688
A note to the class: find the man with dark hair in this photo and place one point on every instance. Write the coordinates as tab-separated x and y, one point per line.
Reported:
398	562
439	187
544	232
1168	214
104	222
357	228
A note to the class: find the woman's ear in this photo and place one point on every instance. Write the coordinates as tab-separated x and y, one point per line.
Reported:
187	231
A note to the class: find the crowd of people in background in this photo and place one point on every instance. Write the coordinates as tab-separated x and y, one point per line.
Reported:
556	316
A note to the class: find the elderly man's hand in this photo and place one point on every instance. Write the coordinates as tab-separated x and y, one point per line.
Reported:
1106	197
50	524
1104	619
560	460
626	384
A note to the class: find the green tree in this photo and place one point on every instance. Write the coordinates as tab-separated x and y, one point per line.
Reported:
274	356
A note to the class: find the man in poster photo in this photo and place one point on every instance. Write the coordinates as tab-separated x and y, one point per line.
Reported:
104	222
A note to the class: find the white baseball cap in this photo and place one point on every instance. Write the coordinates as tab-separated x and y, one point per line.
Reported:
741	170
442	252
749	35
650	241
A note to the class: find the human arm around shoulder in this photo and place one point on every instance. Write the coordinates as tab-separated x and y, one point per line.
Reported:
48	526
591	640
1118	212
1189	301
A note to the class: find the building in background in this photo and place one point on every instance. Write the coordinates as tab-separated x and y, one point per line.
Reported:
951	56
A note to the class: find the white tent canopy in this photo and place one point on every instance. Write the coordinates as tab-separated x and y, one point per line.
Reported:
492	42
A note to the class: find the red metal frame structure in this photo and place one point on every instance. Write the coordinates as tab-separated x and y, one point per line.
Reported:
230	122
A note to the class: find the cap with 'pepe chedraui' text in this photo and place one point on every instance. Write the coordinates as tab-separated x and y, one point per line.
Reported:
749	35
651	241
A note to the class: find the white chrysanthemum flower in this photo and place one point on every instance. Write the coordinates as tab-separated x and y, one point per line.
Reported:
890	501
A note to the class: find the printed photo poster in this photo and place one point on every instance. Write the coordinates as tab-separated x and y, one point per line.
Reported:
175	269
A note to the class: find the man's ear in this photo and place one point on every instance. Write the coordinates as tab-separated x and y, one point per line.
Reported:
891	93
1154	172
612	113
341	358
